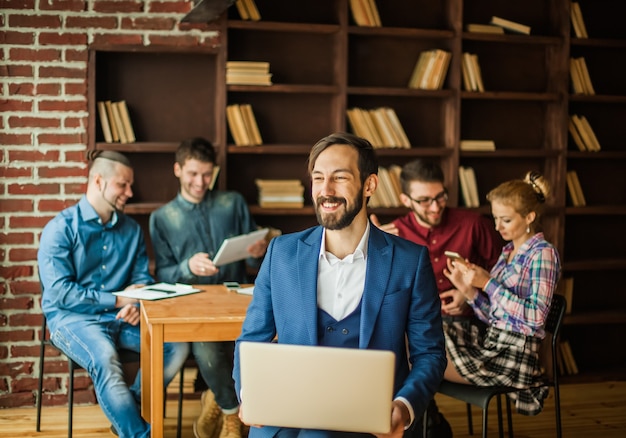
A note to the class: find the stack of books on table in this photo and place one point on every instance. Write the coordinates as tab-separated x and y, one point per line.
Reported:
248	73
280	193
115	122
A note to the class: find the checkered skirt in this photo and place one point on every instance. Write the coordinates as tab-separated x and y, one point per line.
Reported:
488	356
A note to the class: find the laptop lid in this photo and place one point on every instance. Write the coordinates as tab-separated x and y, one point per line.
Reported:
313	387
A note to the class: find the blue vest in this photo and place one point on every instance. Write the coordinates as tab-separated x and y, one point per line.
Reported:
344	333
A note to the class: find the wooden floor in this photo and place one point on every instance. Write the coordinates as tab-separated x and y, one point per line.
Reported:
589	410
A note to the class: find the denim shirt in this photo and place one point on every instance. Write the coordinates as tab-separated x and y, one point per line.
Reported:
82	261
181	229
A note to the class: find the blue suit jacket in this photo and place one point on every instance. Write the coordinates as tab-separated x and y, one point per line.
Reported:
400	306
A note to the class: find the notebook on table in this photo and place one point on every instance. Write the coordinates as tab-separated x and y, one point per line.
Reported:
313	387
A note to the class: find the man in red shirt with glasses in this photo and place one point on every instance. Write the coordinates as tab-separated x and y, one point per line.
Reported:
441	229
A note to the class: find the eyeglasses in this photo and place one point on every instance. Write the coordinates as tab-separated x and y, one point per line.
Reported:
427	202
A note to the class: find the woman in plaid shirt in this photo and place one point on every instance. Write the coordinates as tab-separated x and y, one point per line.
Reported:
512	300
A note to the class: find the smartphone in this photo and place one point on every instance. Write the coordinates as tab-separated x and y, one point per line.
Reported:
231	284
455	256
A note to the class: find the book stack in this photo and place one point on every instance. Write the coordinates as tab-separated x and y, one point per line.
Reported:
478	145
216	172
365	13
575	189
566	362
380	126
248	73
581	81
115	122
469	188
566	288
484	28
472	77
582	134
280	193
430	70
242	125
247	10
510	26
576	16
389	188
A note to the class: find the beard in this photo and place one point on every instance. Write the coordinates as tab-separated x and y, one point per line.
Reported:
338	221
425	219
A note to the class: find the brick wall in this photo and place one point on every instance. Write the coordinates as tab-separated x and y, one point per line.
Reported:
43	138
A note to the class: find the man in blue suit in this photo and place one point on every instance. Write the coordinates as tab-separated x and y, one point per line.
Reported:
348	284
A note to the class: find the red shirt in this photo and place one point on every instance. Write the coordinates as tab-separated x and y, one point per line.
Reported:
470	234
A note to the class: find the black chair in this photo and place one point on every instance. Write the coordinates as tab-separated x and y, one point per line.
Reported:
481	396
126	357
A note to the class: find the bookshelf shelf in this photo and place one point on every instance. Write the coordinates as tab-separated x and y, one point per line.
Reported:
594	318
510	95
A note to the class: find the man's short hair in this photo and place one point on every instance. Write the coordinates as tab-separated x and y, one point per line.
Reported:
196	148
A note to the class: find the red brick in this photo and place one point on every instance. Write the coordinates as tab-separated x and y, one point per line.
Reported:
22	254
18	71
23	351
35	21
28	222
76	55
14	238
117	6
77	156
49	89
76	88
4	386
33	189
61	172
75	189
17	400
22	89
170	6
61	139
15	139
24	384
63	39
16	335
17	38
23	54
148	23
75	122
16	172
101	39
91	22
183	40
62	72
18	4
32	156
33	122
16	105
10	272
15	205
63	5
62	105
25	288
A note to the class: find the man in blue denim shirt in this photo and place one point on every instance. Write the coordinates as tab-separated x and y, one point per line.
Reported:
87	252
186	233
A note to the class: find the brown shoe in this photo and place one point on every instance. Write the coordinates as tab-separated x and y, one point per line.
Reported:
209	423
231	426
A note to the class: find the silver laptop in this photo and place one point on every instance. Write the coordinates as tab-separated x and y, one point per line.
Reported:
312	387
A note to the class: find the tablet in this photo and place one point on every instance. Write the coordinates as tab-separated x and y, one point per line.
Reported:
234	249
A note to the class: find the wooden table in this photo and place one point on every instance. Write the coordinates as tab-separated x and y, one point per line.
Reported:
215	314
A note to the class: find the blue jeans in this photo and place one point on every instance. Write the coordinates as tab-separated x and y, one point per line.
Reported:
215	363
93	345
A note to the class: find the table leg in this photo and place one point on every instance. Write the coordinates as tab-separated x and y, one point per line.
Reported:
146	352
156	381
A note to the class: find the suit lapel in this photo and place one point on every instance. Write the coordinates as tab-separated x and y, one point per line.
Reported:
379	258
308	258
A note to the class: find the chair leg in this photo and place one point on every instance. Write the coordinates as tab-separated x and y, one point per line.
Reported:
557	410
485	421
70	398
180	402
509	417
42	353
500	426
470	422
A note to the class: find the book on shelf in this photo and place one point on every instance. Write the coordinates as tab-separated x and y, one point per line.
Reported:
390	193
236	125
509	25
241	8
108	105
469	187
478	145
578	86
380	126
566	288
472	77
247	10
288	193
216	172
569	363
127	126
397	127
584	74
578	141
250	123
365	13
430	70
259	66
117	119
575	189
578	23
248	73
104	122
484	28
583	134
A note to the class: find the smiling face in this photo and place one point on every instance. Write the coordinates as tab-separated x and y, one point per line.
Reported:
337	192
195	177
427	200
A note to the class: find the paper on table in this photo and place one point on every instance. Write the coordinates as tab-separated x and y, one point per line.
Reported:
245	290
158	291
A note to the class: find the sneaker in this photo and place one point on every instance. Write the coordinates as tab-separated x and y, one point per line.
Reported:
231	426
209	423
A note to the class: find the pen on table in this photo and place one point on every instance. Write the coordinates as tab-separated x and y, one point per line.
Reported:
165	291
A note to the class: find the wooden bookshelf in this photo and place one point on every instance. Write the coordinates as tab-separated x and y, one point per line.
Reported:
322	64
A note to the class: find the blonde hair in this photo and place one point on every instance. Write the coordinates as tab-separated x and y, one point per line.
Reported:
524	195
